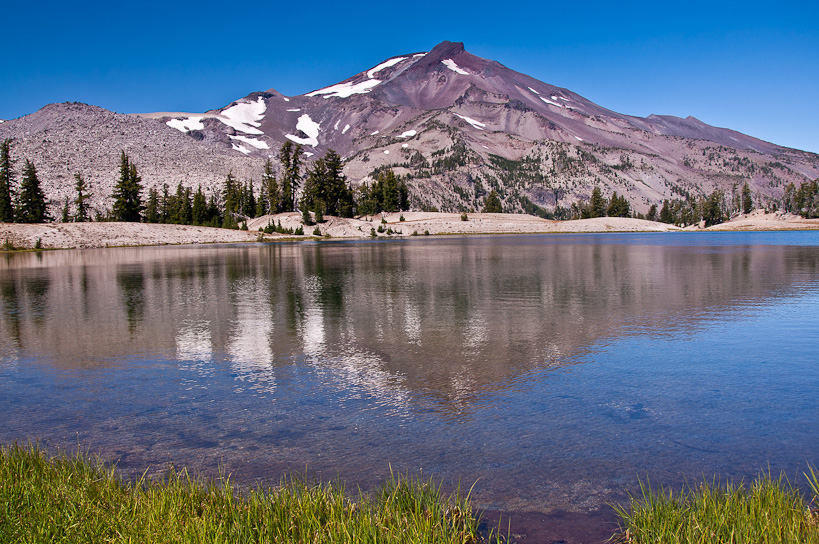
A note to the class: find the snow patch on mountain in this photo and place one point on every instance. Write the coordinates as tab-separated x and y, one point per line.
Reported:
309	127
534	91
258	144
474	123
241	148
449	63
386	64
346	128
294	109
550	102
184	125
374	133
244	116
344	90
408	134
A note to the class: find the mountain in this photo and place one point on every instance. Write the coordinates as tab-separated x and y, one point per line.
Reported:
454	124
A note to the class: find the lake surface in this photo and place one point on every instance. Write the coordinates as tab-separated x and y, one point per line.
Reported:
554	370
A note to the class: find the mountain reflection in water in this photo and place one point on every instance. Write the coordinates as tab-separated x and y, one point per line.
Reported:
557	368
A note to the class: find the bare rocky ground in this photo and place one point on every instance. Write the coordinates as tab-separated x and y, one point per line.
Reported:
96	235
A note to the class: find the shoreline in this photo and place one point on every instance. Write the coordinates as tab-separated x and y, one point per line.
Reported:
112	234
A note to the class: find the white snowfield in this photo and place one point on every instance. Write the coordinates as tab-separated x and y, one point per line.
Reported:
294	109
408	134
184	125
245	116
309	127
477	124
344	90
346	128
240	148
449	63
258	144
550	102
385	64
534	91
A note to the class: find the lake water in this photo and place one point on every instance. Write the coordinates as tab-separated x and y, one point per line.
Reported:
552	370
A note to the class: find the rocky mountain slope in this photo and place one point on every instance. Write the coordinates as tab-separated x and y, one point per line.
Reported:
454	124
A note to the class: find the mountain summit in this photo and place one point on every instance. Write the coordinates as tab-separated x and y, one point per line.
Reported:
453	124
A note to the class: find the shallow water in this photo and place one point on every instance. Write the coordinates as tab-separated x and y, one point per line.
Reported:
554	370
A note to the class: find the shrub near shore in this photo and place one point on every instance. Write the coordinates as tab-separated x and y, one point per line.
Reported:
72	499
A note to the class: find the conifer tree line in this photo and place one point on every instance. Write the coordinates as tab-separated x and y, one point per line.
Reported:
803	200
324	191
599	206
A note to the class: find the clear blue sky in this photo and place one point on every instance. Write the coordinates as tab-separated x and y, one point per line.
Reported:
750	66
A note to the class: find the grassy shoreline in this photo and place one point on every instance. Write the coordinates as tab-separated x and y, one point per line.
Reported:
767	511
75	498
71	498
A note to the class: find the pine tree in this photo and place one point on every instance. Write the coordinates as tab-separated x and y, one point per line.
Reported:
82	207
199	209
127	197
712	209
747	203
249	205
231	193
390	193
271	188
290	157
493	203
597	204
32	204
6	182
665	213
152	208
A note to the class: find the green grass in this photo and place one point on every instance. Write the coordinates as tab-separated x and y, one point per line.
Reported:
69	498
766	511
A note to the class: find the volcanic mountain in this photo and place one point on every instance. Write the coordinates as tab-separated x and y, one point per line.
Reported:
453	124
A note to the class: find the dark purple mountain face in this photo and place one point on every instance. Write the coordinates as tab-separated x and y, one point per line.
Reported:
456	125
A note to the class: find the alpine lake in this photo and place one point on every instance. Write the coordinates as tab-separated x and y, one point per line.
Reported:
553	372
